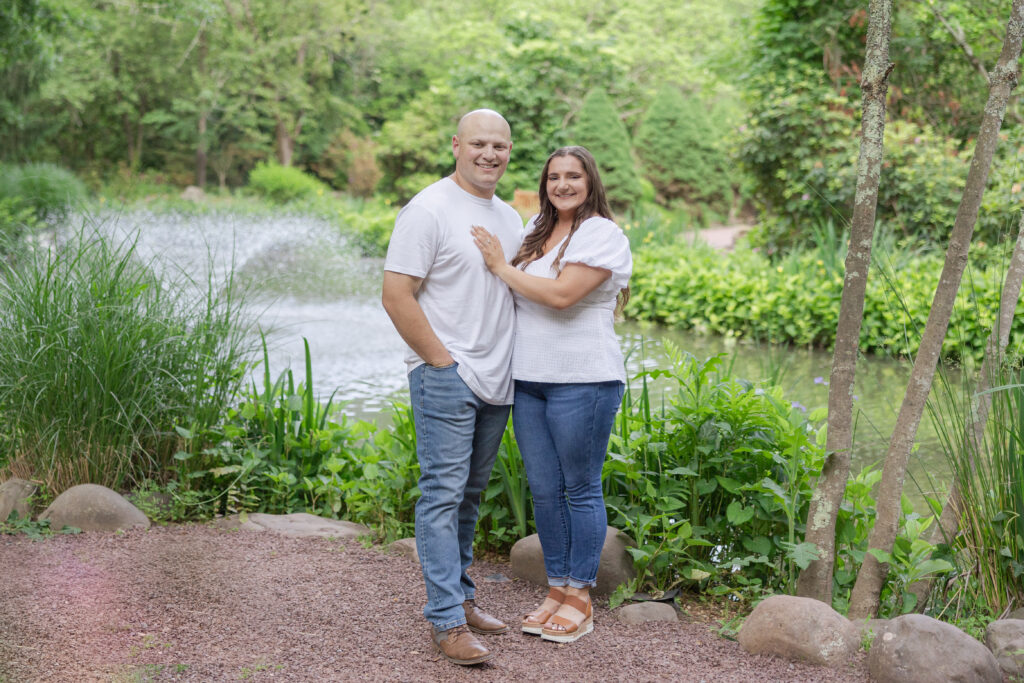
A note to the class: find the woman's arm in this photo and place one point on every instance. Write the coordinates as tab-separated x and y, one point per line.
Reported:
572	284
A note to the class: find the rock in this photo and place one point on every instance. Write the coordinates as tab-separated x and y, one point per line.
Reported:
799	628
296	525
235	523
14	495
1005	638
406	547
193	193
91	507
869	629
914	648
642	612
1016	614
616	565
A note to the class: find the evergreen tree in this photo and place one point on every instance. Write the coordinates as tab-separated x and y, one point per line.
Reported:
679	149
599	129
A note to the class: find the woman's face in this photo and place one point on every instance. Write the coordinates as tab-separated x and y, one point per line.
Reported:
566	184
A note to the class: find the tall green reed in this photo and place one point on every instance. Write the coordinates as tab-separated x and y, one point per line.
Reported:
101	359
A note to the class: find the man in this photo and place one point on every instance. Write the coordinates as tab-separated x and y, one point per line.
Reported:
458	321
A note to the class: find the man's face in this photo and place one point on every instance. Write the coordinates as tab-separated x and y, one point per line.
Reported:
481	151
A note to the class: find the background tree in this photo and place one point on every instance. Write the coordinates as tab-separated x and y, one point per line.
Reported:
816	579
599	129
681	153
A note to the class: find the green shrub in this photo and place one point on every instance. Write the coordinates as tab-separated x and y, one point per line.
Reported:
100	360
48	191
713	485
599	129
681	152
369	222
796	299
283	184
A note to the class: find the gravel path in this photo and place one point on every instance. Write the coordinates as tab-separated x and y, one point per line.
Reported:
194	603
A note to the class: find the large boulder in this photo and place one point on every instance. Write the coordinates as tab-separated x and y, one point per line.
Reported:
14	495
91	507
616	565
915	648
1005	639
296	524
642	612
799	628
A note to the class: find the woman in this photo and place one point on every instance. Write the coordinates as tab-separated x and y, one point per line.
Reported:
569	377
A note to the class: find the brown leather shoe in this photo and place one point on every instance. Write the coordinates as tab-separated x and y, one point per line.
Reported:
480	621
460	646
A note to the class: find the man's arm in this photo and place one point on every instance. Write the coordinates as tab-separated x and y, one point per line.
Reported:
399	299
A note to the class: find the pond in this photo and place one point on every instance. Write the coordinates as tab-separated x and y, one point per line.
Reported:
307	283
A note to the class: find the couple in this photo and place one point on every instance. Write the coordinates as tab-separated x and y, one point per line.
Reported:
455	254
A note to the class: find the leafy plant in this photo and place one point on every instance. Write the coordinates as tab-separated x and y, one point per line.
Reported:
36	530
283	184
100	360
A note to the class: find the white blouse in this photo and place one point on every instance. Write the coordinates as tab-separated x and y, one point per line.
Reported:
577	344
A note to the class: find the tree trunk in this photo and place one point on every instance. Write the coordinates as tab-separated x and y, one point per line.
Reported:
867	589
201	151
816	580
995	349
285	144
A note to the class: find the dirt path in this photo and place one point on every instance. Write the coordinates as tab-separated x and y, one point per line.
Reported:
193	603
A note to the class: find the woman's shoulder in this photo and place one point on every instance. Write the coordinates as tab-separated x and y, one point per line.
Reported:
603	229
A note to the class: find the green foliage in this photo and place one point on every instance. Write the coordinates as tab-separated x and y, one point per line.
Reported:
368	222
796	124
46	190
36	530
599	129
796	299
284	184
506	504
713	485
100	359
681	153
989	546
281	450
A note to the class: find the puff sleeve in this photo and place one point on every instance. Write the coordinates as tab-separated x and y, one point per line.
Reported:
600	243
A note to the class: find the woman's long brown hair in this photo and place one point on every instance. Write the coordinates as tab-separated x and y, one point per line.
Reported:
596	204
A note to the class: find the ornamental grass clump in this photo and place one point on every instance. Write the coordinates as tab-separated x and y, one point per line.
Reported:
101	361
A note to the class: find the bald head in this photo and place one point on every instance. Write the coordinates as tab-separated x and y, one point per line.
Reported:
484	117
481	148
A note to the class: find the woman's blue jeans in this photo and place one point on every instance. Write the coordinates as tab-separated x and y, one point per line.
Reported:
457	439
562	431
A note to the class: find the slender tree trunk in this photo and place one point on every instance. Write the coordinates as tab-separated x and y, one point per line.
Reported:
995	349
816	580
867	589
201	151
284	143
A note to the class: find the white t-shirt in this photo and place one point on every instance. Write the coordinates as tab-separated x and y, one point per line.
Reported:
469	308
577	344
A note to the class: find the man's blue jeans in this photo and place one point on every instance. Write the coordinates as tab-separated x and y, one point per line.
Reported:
562	431
457	439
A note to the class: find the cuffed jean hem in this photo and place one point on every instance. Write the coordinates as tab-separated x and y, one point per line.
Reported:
562	582
575	583
448	624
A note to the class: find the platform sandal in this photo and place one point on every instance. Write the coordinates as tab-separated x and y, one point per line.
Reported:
534	622
571	630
